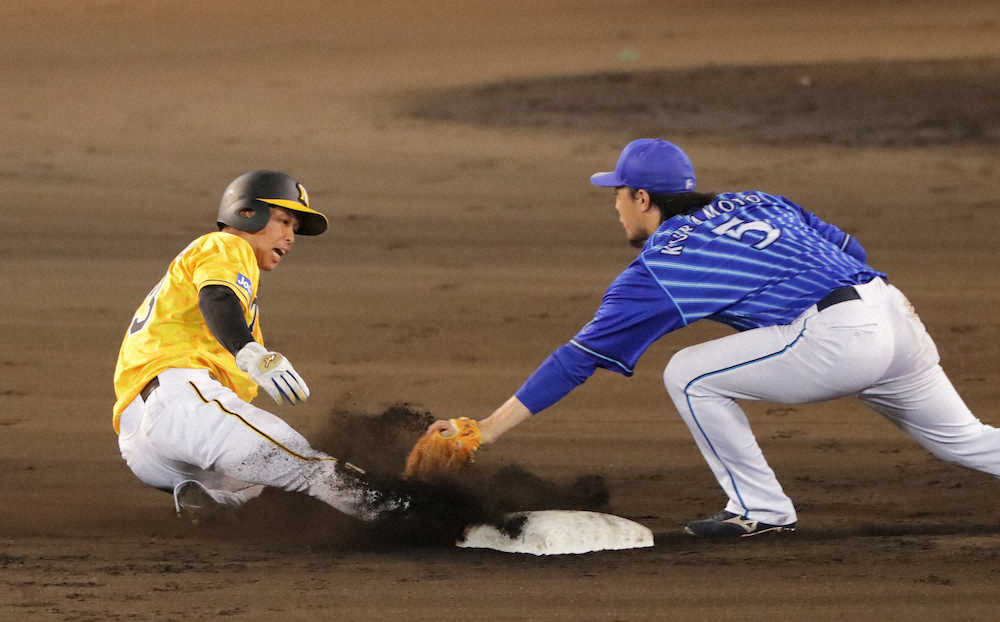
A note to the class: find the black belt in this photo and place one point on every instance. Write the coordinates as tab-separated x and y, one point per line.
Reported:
149	388
840	294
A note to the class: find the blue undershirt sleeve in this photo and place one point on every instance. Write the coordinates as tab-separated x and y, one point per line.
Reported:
562	371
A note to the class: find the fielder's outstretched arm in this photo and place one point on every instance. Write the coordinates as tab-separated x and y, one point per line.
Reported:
634	313
562	371
509	415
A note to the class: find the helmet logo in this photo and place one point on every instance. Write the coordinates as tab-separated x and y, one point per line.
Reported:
303	195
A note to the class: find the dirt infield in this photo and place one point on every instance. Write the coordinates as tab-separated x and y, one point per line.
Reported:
451	142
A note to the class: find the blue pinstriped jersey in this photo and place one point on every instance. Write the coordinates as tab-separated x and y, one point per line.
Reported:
749	259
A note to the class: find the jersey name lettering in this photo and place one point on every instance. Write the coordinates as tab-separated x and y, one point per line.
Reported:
724	206
674	246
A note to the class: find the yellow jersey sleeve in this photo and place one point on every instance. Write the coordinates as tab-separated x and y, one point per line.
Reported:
168	329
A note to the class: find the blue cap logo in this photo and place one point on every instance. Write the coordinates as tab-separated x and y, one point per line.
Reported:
650	164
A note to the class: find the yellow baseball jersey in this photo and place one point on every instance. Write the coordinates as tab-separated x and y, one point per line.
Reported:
168	330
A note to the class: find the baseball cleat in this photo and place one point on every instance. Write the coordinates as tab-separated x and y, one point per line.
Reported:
726	524
193	502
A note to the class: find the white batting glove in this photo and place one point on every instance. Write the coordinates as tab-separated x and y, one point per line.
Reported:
273	373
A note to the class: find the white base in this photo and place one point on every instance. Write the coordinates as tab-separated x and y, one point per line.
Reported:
561	532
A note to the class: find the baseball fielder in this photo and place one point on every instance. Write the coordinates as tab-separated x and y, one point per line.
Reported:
193	359
814	322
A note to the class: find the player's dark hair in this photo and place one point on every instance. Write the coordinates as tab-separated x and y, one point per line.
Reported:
673	204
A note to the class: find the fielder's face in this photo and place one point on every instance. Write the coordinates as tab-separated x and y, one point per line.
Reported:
273	242
632	214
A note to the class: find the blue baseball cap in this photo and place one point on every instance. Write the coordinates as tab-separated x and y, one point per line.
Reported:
652	165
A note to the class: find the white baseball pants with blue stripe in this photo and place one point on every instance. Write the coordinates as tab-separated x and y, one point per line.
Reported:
194	428
875	348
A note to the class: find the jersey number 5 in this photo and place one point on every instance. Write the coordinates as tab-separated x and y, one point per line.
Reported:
736	228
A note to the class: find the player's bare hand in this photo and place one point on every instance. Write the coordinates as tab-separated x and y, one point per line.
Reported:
273	373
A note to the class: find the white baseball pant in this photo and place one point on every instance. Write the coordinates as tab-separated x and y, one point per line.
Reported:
194	428
875	348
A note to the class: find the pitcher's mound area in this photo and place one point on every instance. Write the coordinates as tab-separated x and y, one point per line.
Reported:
856	103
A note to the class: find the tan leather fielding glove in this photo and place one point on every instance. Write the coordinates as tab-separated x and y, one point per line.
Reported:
439	454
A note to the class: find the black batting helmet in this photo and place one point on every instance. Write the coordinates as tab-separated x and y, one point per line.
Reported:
257	191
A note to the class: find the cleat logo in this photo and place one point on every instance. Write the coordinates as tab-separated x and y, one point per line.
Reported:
746	525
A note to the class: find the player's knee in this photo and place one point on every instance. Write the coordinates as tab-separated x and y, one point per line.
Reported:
677	374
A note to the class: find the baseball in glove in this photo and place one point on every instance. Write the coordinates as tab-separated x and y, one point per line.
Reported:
439	454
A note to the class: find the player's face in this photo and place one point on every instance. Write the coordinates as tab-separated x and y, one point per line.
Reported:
272	243
630	214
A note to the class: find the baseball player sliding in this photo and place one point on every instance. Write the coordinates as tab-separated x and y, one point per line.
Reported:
815	322
193	359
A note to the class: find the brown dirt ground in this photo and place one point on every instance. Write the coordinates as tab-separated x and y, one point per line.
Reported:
461	252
